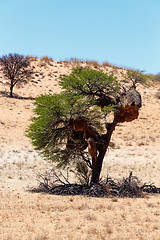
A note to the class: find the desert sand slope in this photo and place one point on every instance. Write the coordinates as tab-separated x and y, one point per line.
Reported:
25	215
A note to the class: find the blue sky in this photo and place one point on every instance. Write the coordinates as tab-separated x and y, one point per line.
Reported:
122	32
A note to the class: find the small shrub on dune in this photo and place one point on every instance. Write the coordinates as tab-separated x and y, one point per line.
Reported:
47	60
75	60
92	63
33	58
157	77
157	95
107	64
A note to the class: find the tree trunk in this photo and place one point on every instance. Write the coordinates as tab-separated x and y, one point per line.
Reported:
97	166
102	147
11	90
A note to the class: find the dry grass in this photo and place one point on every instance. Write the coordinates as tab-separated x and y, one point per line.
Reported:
39	216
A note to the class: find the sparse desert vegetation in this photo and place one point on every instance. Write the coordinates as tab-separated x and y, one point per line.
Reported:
25	215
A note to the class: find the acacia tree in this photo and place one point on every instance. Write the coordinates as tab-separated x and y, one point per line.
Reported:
15	68
71	127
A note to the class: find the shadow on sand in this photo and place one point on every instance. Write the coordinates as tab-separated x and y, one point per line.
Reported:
15	96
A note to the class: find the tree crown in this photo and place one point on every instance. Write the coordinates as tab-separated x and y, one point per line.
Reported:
90	83
57	115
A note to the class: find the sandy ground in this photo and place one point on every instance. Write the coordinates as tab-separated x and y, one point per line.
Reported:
25	215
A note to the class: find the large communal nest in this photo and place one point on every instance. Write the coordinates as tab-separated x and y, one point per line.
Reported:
128	106
127	187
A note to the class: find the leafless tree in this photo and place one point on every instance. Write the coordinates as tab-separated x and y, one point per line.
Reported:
16	69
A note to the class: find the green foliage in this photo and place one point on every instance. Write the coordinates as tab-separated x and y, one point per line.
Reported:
51	112
52	125
86	82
